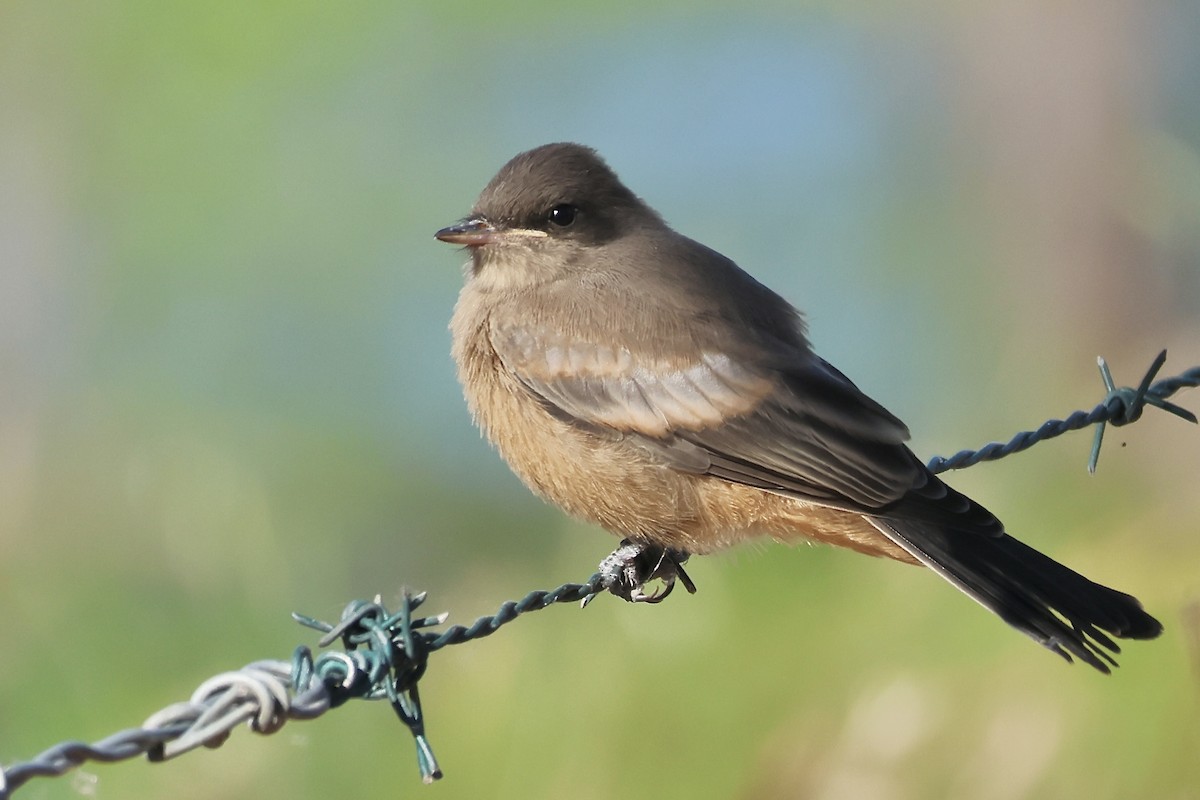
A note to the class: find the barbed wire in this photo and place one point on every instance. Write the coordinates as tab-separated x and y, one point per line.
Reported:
386	653
1121	406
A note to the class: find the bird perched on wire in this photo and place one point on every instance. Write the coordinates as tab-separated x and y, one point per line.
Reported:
643	382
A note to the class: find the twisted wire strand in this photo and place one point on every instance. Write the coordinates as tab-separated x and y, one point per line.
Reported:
385	653
1121	406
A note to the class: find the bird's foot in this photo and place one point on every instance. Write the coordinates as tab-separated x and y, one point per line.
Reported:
626	571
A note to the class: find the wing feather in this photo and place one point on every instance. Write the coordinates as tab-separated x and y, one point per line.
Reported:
800	428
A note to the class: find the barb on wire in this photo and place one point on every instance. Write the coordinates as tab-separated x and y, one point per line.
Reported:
1120	406
385	654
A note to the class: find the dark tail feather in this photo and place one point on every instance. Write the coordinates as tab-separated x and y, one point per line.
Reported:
1056	606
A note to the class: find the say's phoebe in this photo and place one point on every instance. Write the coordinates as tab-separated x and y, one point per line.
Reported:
643	382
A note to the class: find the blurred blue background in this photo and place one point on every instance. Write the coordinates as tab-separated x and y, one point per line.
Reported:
226	393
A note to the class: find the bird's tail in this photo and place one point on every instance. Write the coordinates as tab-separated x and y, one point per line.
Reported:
1049	602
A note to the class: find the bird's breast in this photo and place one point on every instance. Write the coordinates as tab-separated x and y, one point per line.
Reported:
603	478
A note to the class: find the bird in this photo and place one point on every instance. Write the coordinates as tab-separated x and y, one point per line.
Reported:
645	383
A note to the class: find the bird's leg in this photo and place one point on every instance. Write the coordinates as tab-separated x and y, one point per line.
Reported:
626	571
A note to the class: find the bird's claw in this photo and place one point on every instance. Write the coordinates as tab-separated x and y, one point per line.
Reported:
626	571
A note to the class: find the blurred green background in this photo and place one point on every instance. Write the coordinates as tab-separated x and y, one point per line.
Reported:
226	394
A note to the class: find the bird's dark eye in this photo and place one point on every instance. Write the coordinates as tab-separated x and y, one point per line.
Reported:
563	215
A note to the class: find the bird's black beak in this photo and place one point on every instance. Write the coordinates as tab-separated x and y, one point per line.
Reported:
472	232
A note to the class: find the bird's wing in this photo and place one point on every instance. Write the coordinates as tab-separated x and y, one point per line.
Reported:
803	429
